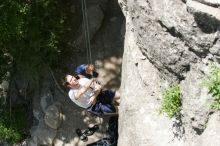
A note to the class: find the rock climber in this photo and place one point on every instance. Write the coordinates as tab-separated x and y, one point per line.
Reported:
88	94
86	70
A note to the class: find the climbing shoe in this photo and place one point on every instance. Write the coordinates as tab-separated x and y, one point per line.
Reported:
91	131
81	135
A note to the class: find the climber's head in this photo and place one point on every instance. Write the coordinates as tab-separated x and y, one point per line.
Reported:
71	81
90	68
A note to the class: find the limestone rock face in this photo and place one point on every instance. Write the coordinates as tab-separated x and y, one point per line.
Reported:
53	117
214	3
211	135
165	42
42	136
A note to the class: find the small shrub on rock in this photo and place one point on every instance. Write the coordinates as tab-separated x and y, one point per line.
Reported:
171	102
213	84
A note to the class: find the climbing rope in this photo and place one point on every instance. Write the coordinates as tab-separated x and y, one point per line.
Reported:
86	32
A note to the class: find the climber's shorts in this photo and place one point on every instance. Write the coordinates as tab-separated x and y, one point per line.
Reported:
106	96
104	103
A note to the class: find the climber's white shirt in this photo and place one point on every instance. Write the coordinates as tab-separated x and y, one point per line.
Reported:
83	101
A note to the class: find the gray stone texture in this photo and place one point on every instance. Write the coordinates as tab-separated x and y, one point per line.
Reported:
165	42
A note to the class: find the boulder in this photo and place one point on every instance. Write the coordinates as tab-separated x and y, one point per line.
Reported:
53	116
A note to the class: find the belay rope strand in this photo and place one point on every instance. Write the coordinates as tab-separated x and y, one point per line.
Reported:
86	32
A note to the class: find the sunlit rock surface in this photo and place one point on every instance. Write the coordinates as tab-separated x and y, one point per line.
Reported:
165	42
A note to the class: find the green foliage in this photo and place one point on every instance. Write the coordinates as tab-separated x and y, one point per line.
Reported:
32	32
5	65
12	127
213	85
171	102
8	134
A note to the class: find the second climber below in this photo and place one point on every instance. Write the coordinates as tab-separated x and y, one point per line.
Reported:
86	71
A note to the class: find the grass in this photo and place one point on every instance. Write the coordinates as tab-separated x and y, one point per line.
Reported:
212	83
171	102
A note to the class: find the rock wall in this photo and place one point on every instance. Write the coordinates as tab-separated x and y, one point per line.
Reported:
165	42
